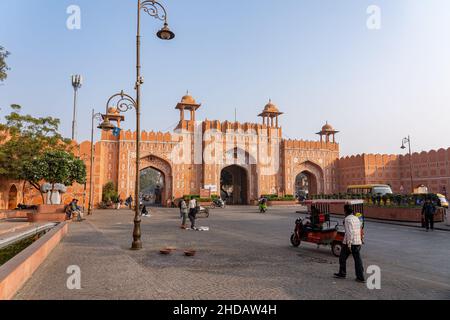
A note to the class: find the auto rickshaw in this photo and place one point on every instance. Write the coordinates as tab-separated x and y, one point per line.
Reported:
316	228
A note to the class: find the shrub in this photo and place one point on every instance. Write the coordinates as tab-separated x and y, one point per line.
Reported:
110	194
190	196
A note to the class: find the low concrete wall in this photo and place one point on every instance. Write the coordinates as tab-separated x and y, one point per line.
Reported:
47	208
46	217
399	214
15	214
19	269
48	213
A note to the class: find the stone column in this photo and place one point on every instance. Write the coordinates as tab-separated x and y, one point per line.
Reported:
182	114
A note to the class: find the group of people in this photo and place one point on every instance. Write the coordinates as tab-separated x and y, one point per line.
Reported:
188	209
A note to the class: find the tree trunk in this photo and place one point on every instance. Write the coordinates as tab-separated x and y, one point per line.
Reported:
51	194
23	192
38	187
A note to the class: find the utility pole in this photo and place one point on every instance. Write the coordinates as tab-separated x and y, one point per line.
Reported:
408	141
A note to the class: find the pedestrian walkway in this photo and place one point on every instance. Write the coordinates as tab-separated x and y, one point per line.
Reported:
244	256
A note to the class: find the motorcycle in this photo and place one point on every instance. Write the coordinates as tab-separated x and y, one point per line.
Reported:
202	212
218	203
262	208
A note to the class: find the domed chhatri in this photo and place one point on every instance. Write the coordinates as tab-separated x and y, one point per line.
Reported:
188	99
270	107
327	132
271	112
327	127
187	103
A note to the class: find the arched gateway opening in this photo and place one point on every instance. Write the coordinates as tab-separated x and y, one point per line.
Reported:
234	185
12	198
152	187
305	184
156	181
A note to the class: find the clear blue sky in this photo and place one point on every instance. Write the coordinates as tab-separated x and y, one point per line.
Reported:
315	59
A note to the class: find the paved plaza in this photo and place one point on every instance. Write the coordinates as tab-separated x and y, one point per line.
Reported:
245	255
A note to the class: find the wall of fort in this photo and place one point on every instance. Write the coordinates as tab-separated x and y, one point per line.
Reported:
431	169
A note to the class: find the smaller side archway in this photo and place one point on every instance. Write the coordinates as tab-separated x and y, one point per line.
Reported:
309	180
160	170
152	186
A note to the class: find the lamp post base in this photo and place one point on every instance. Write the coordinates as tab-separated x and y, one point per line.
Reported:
137	243
136	246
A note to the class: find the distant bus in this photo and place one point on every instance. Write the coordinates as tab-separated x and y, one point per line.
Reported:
373	189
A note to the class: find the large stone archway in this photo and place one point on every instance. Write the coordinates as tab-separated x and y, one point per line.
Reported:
165	169
243	167
234	185
313	175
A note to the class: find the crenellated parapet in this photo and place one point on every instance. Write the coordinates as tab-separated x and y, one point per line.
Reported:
441	155
310	145
231	126
130	136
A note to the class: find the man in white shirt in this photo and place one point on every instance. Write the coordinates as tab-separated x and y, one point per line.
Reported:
351	245
192	212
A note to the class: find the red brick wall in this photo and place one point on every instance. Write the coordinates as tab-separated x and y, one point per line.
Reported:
431	169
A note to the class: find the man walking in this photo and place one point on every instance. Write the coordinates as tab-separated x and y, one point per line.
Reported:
351	245
183	213
428	212
192	212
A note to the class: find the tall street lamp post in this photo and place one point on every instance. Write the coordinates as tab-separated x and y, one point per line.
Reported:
77	82
125	102
408	141
98	117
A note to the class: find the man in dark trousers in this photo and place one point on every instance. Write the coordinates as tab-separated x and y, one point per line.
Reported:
351	246
428	212
192	212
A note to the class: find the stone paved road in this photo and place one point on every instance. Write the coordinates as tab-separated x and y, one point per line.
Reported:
245	255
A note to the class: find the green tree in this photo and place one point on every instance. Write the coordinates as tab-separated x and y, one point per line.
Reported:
110	193
56	167
3	66
23	140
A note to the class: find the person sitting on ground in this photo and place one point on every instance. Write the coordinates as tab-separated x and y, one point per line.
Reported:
76	210
145	212
68	212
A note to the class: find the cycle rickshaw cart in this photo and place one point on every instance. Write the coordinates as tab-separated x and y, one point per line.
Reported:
316	227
